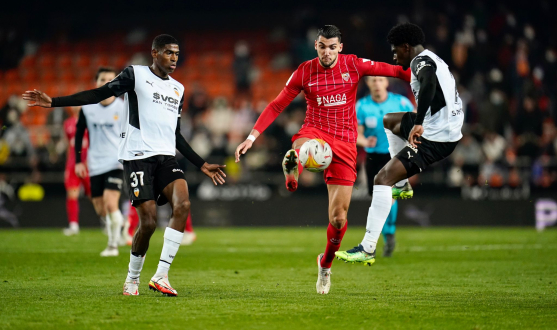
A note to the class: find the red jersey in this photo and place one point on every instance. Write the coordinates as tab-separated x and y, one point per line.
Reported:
69	130
330	94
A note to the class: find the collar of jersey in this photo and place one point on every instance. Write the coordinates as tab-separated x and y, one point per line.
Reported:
151	70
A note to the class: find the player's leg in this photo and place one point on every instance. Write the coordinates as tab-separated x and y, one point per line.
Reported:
72	210
177	193
397	126
147	212
339	201
291	164
381	204
389	230
189	234
114	219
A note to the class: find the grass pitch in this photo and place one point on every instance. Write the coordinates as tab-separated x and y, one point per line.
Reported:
265	279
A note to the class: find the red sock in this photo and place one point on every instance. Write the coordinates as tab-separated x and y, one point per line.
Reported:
334	237
133	218
72	208
300	166
189	227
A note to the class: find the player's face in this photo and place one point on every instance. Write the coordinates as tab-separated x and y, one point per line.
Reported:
401	55
167	58
327	50
377	85
105	77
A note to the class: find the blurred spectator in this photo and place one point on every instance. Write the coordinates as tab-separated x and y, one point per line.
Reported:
467	157
17	137
242	67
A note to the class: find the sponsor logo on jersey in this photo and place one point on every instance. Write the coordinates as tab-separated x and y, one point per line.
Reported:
123	135
164	98
177	170
331	100
346	76
136	192
150	83
420	66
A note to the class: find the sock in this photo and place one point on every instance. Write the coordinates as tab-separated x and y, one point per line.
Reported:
133	218
390	225
135	266
109	233
300	166
116	220
189	226
396	144
72	208
74	225
334	237
377	215
172	240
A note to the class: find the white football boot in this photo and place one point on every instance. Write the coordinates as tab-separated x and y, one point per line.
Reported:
131	287
323	284
161	284
110	251
189	238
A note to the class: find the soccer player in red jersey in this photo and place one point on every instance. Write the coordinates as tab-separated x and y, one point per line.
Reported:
329	82
71	181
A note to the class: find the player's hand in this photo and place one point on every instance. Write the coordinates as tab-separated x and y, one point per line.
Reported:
242	148
371	142
80	170
37	99
214	172
415	133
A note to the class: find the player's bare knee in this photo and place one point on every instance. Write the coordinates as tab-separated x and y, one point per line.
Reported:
381	178
338	217
148	224
181	209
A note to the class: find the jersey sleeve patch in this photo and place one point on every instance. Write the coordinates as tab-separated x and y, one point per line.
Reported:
421	62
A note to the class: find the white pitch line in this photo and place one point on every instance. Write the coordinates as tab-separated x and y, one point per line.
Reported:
489	247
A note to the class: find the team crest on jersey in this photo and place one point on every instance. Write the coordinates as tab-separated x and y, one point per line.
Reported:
176	92
116	116
346	76
136	192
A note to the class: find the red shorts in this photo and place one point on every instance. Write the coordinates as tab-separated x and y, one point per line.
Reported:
342	170
71	180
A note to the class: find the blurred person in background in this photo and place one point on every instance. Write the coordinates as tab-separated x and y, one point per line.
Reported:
370	111
72	181
103	122
329	82
242	66
22	151
467	158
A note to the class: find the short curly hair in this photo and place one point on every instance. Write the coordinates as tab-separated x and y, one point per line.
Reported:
406	33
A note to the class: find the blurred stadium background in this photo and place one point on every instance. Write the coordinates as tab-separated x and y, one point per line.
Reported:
236	59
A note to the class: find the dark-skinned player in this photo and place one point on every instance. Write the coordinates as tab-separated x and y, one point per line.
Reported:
149	139
416	140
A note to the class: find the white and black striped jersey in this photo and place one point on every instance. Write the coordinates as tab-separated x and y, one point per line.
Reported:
104	124
153	106
444	118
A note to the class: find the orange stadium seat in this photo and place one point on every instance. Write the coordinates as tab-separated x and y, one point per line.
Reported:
28	61
11	75
82	61
100	59
46	60
64	60
29	75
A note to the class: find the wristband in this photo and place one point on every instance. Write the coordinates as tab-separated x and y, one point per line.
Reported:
251	138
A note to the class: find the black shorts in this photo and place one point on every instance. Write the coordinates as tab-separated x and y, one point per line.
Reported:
416	160
146	178
111	180
374	164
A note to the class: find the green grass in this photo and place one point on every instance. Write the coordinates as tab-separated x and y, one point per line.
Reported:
265	279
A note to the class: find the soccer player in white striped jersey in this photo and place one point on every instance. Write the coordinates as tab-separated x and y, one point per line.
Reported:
103	121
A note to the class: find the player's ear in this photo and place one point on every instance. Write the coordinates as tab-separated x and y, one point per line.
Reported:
315	45
340	47
154	53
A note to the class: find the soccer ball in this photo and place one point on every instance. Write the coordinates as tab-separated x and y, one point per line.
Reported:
316	155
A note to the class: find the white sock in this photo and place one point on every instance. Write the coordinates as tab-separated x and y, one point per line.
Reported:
377	215
109	233
396	144
126	229
135	266
172	240
74	225
116	219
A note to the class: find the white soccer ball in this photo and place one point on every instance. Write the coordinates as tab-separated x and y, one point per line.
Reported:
316	155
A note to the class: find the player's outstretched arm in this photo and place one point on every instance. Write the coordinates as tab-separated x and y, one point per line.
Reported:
41	99
271	112
372	68
214	171
80	127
